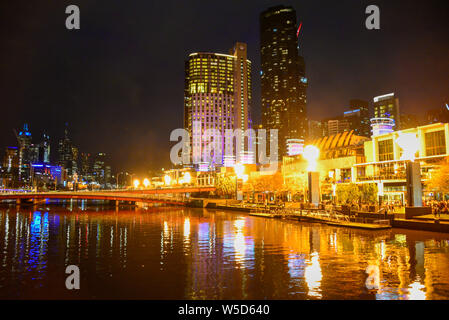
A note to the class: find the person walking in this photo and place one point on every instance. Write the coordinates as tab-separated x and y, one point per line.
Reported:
444	209
435	209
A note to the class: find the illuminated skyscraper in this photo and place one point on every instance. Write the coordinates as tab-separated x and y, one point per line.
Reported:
217	96
10	171
282	76
68	154
26	152
85	169
44	150
358	117
387	106
99	172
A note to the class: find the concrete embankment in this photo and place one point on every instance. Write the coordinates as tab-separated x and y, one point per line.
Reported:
421	225
415	224
241	209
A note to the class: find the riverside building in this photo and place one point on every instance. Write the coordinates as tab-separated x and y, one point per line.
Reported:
348	158
217	97
283	80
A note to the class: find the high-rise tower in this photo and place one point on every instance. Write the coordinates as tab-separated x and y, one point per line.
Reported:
387	106
358	117
68	153
217	96
44	150
25	153
282	76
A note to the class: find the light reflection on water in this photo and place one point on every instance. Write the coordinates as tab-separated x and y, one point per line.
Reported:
313	275
170	253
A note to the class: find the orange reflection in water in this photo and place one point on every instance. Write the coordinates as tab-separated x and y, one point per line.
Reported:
174	253
313	275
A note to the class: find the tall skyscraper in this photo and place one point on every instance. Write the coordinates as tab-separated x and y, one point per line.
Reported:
10	170
217	96
317	130
75	159
68	154
283	78
358	117
99	173
85	170
26	153
44	150
387	106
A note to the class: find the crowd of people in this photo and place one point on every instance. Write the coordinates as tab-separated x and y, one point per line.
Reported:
438	207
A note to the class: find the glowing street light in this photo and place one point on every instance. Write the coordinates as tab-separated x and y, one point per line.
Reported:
311	153
136	183
146	183
186	178
239	170
409	144
167	180
334	189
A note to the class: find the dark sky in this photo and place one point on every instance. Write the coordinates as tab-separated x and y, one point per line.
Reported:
119	80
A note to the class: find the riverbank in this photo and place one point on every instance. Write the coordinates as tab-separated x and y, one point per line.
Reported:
423	223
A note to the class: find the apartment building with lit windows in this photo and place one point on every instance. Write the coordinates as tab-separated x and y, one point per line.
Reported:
217	97
387	106
348	158
283	80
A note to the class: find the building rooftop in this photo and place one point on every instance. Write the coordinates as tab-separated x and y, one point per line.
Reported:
343	139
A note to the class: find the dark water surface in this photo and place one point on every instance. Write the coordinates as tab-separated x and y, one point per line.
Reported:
178	253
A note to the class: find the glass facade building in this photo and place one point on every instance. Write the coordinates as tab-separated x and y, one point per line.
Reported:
387	106
283	80
217	97
358	117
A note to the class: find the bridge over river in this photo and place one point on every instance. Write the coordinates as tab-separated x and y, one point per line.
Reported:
172	196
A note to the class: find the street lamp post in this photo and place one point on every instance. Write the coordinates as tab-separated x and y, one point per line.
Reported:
167	180
131	175
118	175
311	153
409	144
236	188
239	170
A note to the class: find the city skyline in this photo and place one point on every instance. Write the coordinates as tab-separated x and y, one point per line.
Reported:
113	104
252	151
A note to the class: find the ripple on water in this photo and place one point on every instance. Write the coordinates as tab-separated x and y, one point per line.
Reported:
205	254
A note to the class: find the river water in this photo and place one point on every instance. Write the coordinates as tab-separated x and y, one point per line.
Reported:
183	253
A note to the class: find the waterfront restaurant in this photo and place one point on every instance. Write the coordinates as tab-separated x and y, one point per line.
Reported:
384	166
338	155
347	158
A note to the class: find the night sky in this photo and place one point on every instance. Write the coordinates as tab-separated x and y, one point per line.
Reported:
119	80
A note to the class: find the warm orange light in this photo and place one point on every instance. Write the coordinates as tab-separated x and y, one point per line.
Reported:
186	178
409	144
239	170
311	154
